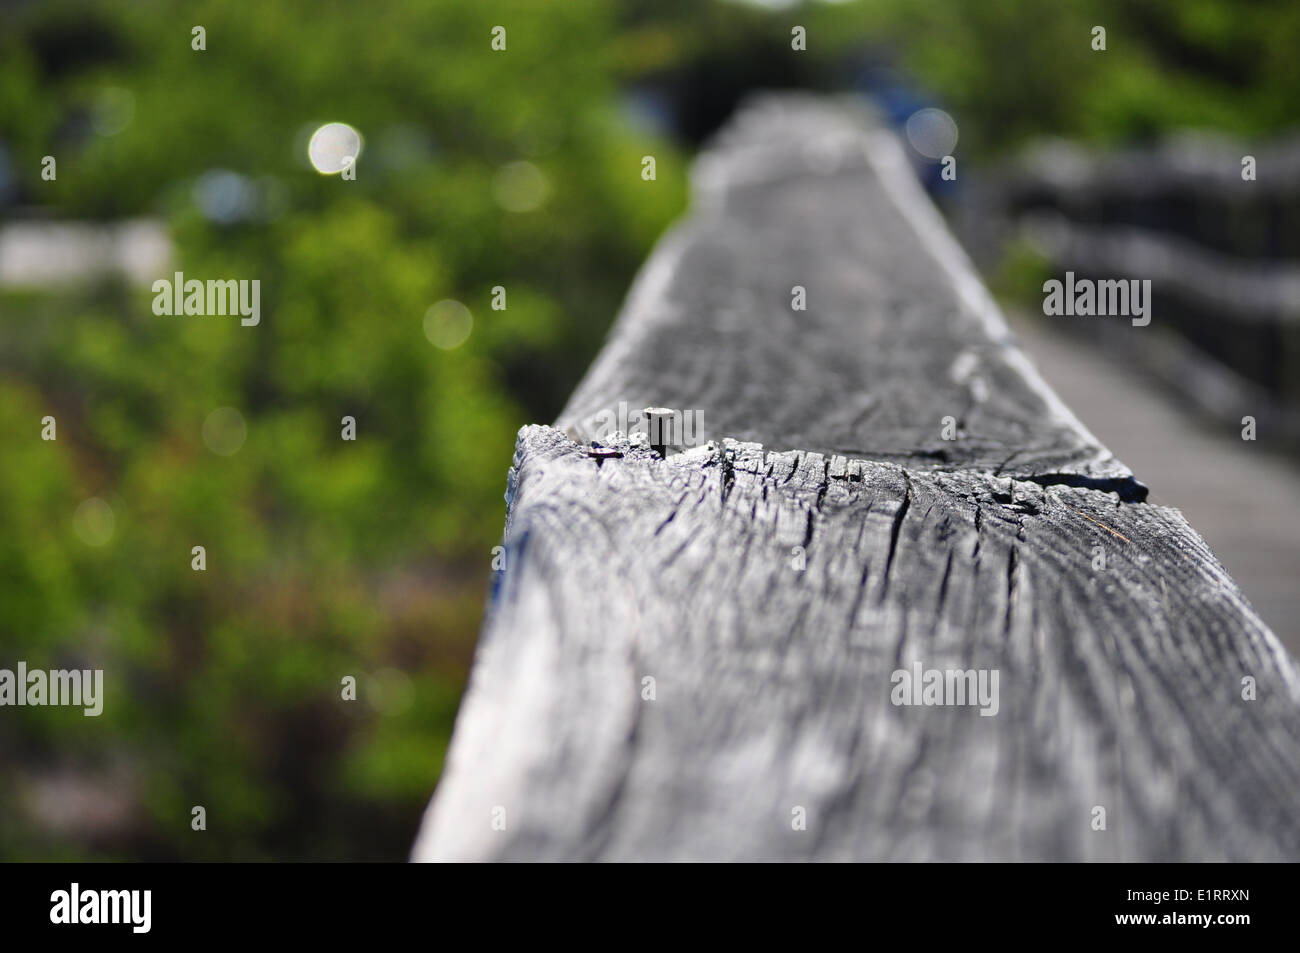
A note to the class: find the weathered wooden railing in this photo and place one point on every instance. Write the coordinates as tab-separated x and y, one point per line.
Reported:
709	654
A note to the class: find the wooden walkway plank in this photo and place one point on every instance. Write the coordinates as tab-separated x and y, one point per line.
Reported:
700	655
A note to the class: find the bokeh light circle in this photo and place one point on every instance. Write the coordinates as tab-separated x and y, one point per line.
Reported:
932	132
447	324
333	147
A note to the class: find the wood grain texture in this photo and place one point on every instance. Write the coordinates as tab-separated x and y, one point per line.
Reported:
771	593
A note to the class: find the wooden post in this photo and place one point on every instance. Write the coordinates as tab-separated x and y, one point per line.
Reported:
726	652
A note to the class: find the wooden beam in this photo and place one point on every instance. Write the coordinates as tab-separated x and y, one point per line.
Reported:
704	654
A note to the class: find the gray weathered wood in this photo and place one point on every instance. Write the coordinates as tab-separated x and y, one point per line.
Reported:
1119	688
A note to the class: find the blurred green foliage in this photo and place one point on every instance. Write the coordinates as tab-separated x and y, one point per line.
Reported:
325	558
329	558
1009	70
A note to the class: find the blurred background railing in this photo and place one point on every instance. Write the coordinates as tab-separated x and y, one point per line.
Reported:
1222	253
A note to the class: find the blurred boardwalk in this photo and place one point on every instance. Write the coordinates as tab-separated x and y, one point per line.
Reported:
1244	500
